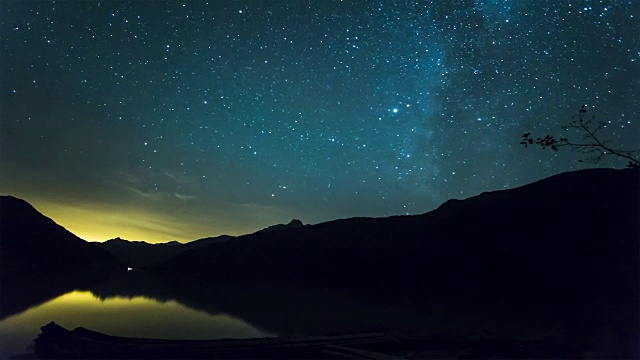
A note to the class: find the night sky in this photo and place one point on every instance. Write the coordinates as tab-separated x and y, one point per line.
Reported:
156	121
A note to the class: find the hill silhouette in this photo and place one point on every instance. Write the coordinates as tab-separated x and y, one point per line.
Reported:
581	217
570	242
39	258
140	254
32	242
295	223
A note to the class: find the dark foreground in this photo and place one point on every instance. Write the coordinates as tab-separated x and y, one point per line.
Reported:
58	342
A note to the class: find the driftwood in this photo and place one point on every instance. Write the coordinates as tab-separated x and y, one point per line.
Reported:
58	342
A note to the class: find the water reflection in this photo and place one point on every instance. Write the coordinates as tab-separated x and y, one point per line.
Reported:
146	305
123	316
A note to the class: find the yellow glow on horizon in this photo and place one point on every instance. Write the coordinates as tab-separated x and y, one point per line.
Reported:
128	217
118	212
98	222
93	223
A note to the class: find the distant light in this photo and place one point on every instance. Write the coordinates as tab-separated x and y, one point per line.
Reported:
395	110
129	269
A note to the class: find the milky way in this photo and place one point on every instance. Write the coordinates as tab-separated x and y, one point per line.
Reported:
177	120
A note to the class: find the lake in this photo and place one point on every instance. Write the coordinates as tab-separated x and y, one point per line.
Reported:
123	316
142	305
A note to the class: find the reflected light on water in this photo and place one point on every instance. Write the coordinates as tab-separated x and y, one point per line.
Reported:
120	316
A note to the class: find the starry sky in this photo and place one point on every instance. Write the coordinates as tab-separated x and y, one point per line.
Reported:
176	120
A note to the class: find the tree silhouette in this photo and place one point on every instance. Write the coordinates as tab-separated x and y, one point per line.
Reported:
593	148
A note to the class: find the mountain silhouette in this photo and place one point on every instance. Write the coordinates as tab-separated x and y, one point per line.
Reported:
140	254
582	218
32	242
295	223
195	244
39	258
569	242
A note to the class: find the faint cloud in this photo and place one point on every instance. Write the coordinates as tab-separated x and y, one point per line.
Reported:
146	194
128	178
183	197
179	178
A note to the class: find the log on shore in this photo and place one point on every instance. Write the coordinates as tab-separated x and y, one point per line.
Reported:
58	342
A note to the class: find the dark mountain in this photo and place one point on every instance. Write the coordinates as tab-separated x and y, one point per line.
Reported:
579	217
569	242
32	242
39	258
140	254
195	244
295	223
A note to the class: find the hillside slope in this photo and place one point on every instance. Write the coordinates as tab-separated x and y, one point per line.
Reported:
533	233
569	243
40	259
140	254
31	242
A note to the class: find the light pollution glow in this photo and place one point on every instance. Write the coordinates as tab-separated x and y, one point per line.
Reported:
132	215
100	222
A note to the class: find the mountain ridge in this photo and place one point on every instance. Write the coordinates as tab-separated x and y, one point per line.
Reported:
141	254
294	223
39	258
569	243
553	203
25	232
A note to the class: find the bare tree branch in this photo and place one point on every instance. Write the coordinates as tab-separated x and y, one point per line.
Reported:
591	146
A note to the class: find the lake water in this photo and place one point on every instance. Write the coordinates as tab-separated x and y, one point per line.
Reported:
141	305
122	316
